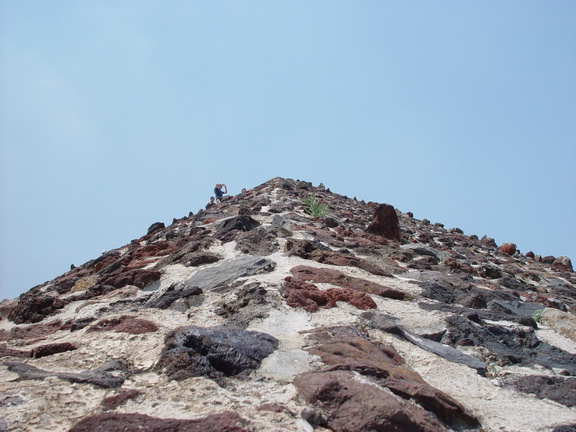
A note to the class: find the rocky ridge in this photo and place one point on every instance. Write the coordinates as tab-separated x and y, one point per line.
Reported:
273	311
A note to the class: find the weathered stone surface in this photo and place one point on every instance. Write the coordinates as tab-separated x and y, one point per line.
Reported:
303	248
113	402
230	227
380	321
9	352
562	263
224	422
36	331
511	346
125	324
33	307
257	242
109	375
352	404
384	364
423	250
353	297
339	259
216	351
164	299
305	295
488	241
192	251
156	226
489	272
385	222
556	388
563	322
252	301
213	277
138	277
548	259
325	275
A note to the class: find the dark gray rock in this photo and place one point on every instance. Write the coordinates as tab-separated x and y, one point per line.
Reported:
213	352
163	300
425	250
252	301
210	278
442	293
556	388
238	223
515	307
157	226
446	352
386	323
509	345
257	242
109	375
12	401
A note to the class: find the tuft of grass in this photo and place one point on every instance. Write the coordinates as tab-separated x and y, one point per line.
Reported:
538	315
314	207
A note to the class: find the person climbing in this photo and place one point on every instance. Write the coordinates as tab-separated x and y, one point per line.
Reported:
218	193
210	202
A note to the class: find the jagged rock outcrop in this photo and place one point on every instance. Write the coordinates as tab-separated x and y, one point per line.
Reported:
253	314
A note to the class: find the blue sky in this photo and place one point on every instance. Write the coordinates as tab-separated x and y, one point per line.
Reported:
117	114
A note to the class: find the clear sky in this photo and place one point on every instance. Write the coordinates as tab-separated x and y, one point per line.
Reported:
115	114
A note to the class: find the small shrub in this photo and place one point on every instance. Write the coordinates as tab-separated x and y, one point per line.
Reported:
314	207
538	315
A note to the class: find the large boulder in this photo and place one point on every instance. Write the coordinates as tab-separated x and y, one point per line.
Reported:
385	222
350	403
213	352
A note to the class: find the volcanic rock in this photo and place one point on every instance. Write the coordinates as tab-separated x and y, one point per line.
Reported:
385	222
213	352
253	315
225	422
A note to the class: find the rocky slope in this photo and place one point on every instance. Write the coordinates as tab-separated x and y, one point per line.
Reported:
254	315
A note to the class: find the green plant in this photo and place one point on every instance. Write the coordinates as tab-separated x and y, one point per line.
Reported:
314	207
538	315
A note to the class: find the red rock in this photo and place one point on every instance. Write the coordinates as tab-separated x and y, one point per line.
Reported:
386	366
306	295
508	248
125	324
562	263
385	222
351	404
224	422
160	248
38	331
51	349
334	277
138	277
9	352
355	298
33	307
